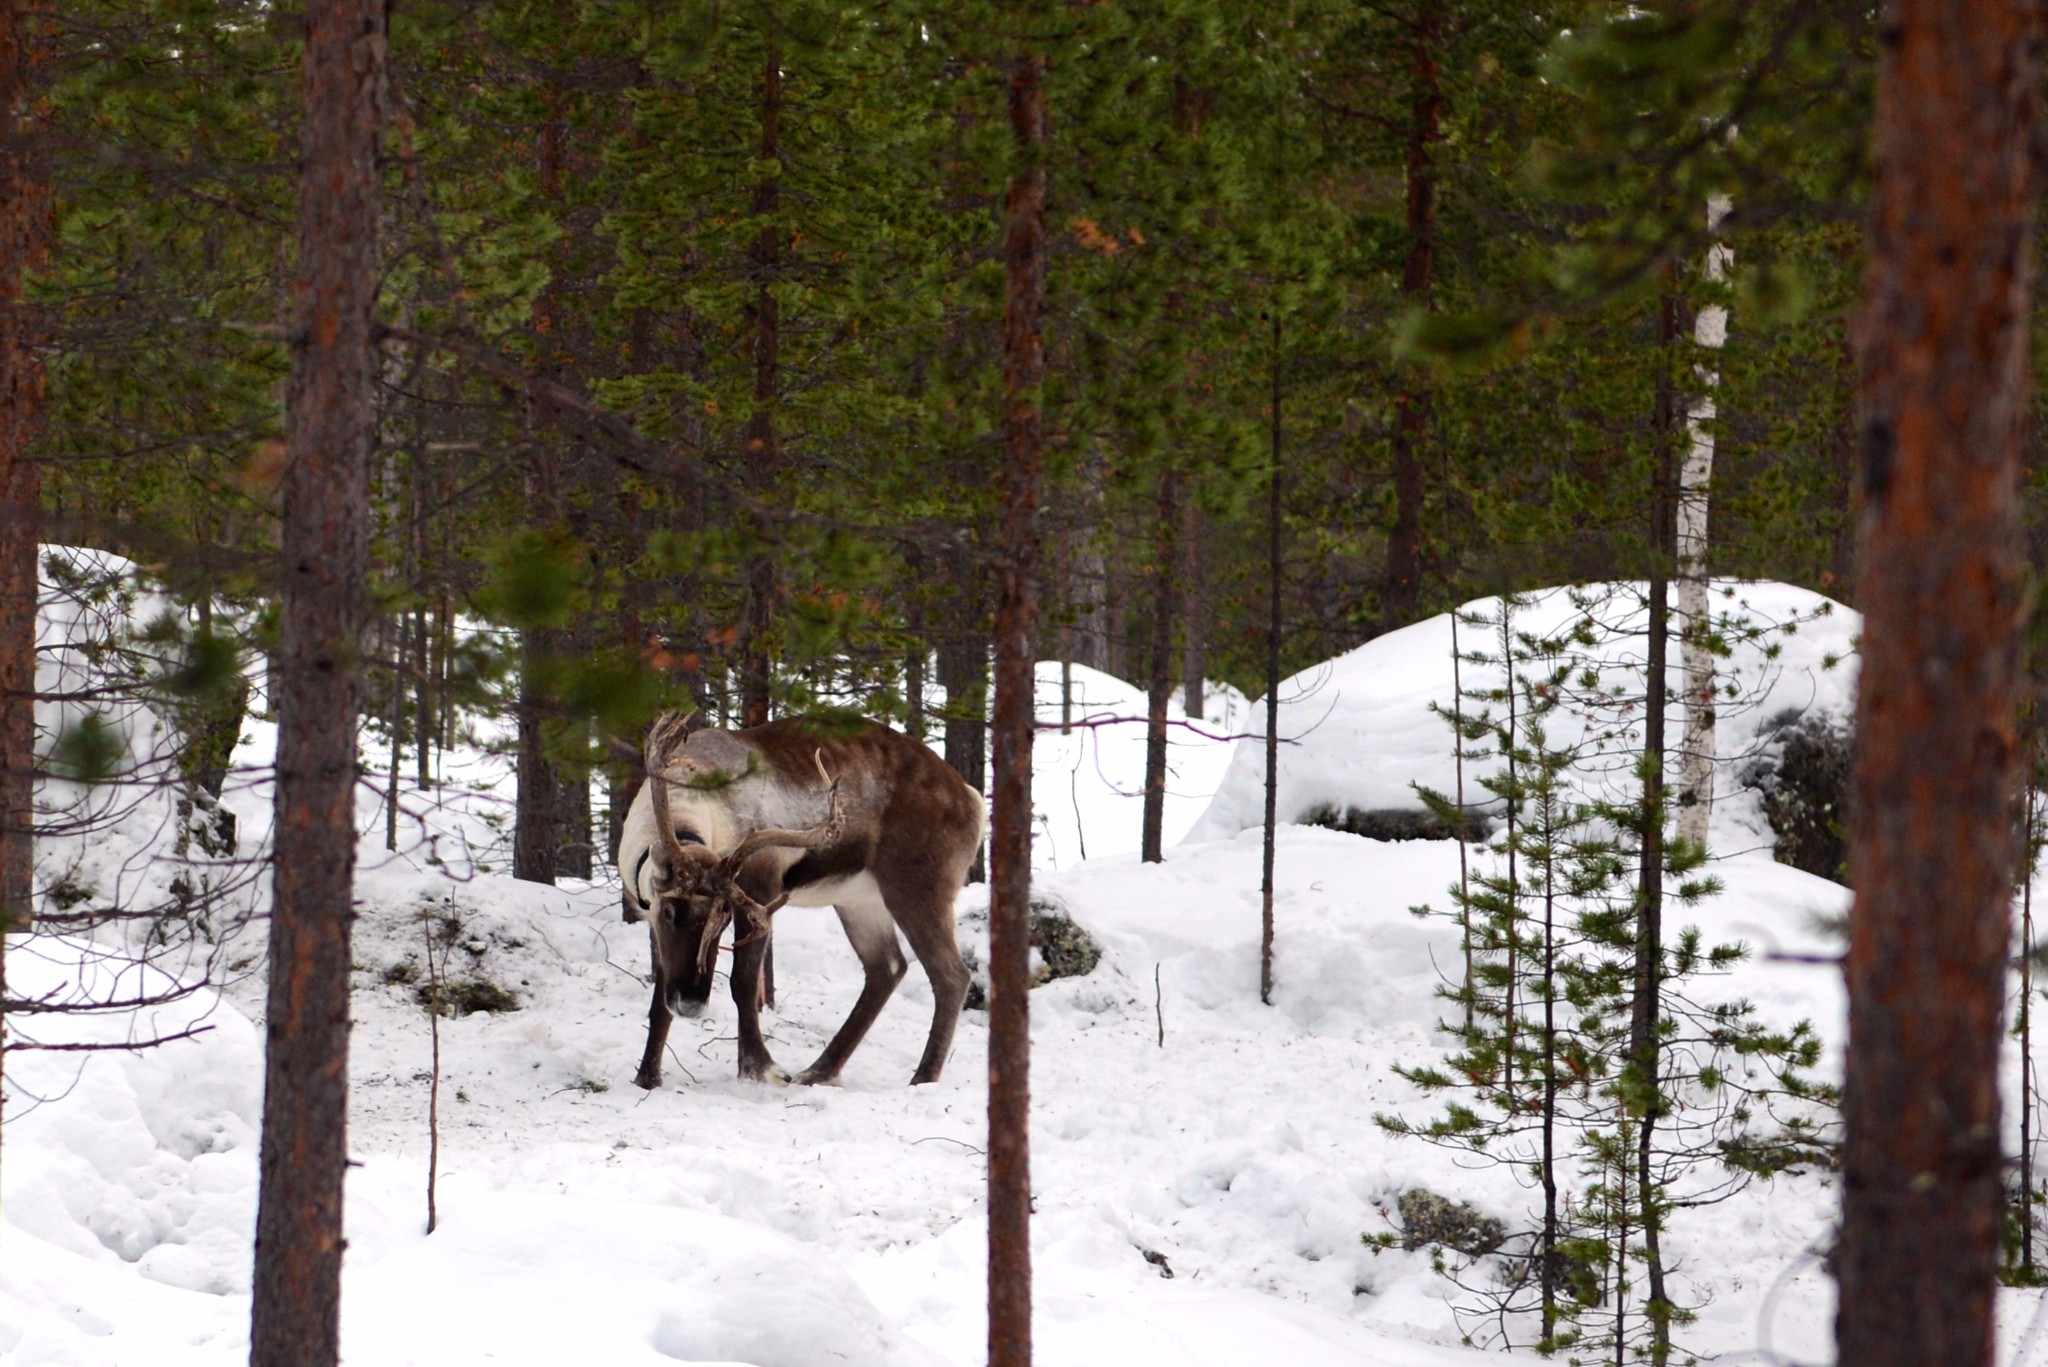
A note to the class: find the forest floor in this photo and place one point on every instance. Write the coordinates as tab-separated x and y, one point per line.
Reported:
1207	1170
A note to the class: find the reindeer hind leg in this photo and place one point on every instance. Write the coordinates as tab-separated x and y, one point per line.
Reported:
873	934
923	907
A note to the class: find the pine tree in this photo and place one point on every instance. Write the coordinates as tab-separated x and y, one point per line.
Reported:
1009	1119
1546	1076
1947	302
296	1310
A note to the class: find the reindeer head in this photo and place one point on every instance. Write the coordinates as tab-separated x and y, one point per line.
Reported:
697	892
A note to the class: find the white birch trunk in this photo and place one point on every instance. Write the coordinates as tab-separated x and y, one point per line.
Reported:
1697	751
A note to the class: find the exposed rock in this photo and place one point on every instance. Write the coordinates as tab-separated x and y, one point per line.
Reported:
1803	775
1429	1219
1397	823
1065	950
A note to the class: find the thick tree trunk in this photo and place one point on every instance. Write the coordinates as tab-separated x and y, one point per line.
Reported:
536	832
1418	280
295	1316
963	673
572	824
1009	1090
764	448
1945	397
1088	574
536	815
1839	578
1697	751
24	247
1165	598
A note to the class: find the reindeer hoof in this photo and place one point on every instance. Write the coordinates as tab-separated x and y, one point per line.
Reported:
647	1082
815	1076
768	1071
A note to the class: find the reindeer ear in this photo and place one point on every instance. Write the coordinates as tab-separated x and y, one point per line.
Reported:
721	753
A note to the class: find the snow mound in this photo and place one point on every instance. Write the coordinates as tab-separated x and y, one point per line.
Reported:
1359	732
1088	785
145	1158
546	1280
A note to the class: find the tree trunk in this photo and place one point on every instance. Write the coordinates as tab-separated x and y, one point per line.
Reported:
536	816
1273	584
535	831
1194	663
1945	396
24	247
324	550
963	673
1009	1090
918	654
1645	1050
1839	579
1697	750
572	824
1088	574
1164	599
1418	279
764	450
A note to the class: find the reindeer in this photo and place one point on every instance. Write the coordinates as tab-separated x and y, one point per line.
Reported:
732	825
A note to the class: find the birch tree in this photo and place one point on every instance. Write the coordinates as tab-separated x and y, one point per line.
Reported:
1697	751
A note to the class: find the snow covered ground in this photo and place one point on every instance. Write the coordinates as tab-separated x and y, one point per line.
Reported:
1179	1126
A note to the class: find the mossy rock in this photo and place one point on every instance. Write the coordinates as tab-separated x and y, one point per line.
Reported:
1397	823
1803	777
1065	950
1429	1220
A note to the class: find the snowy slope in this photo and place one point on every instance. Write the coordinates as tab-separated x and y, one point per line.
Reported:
715	1220
1088	783
1358	731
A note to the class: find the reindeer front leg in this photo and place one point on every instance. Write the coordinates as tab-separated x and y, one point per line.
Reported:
749	949
658	1017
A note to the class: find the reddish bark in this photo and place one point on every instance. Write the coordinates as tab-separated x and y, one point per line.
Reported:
1009	1052
24	247
1944	390
1418	282
316	676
